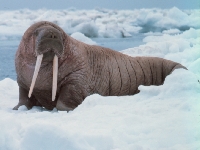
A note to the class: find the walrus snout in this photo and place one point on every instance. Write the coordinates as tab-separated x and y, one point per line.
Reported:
48	57
47	45
48	38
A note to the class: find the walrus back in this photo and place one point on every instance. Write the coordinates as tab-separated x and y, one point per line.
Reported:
114	73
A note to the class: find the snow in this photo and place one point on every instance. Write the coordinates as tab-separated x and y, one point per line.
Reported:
159	117
81	37
102	22
182	48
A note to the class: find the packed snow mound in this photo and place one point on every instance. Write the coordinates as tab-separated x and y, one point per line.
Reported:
89	29
102	22
81	37
159	117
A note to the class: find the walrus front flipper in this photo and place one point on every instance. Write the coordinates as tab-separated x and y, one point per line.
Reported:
68	98
24	100
72	93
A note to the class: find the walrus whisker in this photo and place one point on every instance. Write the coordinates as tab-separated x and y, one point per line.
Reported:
37	68
55	76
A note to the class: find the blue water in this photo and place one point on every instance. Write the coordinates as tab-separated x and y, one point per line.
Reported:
119	44
8	49
7	58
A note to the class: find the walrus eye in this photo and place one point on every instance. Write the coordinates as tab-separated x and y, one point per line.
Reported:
36	32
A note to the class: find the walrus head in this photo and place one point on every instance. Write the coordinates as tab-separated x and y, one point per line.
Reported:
48	47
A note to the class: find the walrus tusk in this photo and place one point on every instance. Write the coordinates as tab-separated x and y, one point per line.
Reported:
55	76
37	68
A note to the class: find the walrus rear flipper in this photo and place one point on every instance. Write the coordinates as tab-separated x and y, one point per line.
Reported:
178	66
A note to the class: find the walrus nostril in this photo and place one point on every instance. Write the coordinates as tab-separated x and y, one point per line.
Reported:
52	35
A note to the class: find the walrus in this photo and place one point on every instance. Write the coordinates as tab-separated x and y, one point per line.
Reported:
55	70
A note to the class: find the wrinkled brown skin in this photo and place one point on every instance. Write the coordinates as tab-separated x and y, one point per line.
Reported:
83	70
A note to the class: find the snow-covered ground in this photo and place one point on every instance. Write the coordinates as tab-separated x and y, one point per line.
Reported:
165	117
